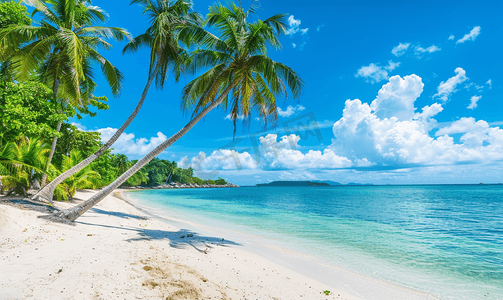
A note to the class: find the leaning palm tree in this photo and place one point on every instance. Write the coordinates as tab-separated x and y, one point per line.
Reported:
172	24
240	76
62	49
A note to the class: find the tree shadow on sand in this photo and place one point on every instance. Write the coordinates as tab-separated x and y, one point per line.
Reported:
117	214
180	239
25	203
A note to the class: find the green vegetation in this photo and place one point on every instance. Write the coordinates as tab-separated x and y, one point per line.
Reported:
46	77
12	13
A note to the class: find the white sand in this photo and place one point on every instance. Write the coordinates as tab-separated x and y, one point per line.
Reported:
112	252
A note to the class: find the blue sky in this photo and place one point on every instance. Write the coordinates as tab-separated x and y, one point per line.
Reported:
401	92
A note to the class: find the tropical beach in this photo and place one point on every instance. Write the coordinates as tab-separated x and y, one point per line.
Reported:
172	149
118	251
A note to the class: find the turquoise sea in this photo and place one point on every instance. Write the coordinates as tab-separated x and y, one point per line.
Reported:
446	240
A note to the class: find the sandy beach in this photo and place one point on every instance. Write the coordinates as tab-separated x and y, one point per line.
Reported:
116	251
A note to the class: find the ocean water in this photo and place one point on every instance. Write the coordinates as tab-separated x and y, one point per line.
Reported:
446	240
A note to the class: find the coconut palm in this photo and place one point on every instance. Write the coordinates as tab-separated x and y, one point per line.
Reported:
172	24
85	178
241	76
22	164
62	49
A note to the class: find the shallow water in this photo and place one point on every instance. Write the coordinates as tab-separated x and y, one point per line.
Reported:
447	240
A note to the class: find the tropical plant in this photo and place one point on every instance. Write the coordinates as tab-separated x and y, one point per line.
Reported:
85	178
241	76
172	25
13	13
26	109
63	50
22	164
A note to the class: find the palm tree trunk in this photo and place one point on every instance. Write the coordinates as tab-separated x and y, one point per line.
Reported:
73	213
51	155
55	88
47	192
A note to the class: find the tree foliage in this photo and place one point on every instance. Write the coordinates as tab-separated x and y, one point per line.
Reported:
21	164
26	109
12	13
84	179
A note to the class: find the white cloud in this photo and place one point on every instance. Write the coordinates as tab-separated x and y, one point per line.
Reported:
79	126
490	83
294	25
320	27
128	144
282	154
463	125
392	65
222	159
389	135
389	132
473	102
451	37
470	36
290	110
374	73
304	31
229	117
274	154
294	45
400	49
431	49
446	88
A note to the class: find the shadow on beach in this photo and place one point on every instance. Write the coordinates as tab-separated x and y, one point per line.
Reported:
180	239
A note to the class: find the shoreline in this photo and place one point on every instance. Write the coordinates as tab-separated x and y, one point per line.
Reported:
117	250
312	266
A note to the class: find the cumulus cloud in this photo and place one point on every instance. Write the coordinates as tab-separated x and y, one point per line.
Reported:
431	49
446	88
374	73
473	102
463	125
294	45
294	26
400	49
128	144
290	110
390	133
222	159
273	154
470	36
283	154
451	37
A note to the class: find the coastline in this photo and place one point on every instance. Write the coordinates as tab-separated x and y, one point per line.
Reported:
316	268
118	250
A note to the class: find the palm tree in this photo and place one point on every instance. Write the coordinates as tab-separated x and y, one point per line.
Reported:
172	23
241	76
63	49
22	163
85	178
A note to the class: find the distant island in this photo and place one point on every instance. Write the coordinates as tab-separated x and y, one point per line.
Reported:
308	183
293	183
